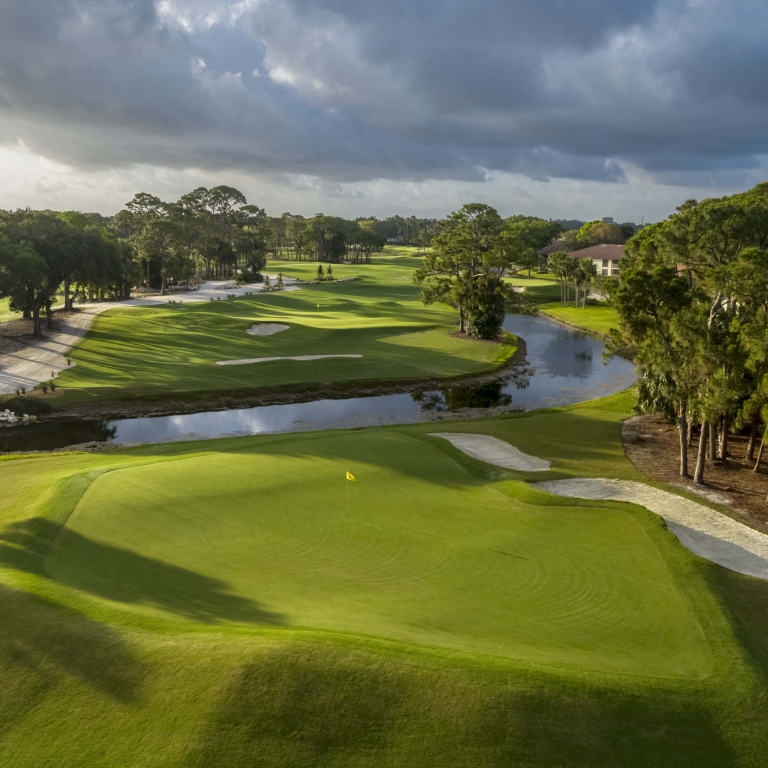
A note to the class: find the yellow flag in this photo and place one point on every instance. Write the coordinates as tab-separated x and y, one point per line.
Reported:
318	306
350	476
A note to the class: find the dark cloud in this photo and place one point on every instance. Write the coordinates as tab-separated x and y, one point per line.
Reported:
349	90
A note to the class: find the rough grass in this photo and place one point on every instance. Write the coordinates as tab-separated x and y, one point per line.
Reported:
174	349
594	318
218	604
5	313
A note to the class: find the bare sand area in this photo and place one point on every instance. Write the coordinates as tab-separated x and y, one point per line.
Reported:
267	329
249	360
494	451
652	444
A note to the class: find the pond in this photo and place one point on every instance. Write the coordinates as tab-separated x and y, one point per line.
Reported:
563	367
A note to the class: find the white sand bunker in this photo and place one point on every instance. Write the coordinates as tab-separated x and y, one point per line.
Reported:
266	329
248	361
494	451
704	531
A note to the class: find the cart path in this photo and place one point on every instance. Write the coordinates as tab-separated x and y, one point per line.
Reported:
704	531
35	363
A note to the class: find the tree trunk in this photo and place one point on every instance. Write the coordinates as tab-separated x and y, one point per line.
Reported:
48	315
760	452
724	440
683	426
67	297
752	438
712	441
38	330
698	476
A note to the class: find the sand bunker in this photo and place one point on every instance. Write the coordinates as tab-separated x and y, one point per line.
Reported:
266	329
704	531
250	360
494	451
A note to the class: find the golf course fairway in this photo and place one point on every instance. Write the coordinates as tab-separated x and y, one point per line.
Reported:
240	602
378	315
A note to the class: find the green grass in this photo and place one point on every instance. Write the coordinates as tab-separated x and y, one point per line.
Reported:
6	315
595	318
297	547
171	350
238	603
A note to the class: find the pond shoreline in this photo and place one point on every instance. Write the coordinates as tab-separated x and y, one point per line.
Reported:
199	402
580	328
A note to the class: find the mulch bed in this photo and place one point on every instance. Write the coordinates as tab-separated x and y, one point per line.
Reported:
652	445
17	334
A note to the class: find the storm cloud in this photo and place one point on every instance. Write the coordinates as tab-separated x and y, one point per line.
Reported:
354	90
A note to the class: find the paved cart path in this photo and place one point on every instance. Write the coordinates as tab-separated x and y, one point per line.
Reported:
703	530
37	362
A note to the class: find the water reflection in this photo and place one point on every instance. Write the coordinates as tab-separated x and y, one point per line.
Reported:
563	367
455	398
49	437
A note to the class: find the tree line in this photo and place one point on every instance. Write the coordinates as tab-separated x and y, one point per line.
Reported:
322	238
156	246
42	252
692	300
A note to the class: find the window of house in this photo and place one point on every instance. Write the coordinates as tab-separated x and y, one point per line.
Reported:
605	262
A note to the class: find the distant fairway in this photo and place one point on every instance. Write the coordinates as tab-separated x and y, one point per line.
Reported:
419	551
173	349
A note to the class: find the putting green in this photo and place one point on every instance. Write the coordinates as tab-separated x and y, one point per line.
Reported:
415	550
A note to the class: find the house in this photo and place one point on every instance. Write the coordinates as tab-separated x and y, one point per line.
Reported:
554	247
605	257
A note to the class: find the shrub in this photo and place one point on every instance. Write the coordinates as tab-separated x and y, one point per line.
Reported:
248	276
30	405
44	388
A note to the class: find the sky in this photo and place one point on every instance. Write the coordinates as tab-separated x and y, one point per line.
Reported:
620	108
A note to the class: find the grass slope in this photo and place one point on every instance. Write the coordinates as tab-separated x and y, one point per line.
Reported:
219	604
594	318
174	349
6	314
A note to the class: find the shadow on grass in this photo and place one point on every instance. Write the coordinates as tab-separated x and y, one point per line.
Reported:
306	706
43	646
122	576
745	603
299	709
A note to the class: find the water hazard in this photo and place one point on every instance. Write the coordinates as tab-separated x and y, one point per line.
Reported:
563	367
